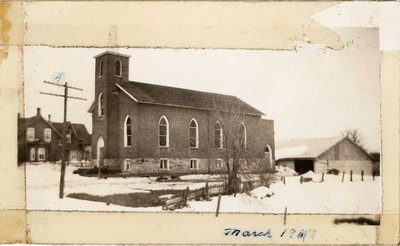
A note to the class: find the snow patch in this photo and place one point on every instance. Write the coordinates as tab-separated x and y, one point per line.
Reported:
291	151
285	171
200	176
261	192
309	174
166	196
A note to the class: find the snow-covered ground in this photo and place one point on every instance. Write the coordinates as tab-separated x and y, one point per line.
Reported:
42	182
330	196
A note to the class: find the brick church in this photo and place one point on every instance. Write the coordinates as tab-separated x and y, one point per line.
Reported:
151	129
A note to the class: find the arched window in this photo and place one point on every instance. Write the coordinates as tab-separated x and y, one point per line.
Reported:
127	132
118	68
242	136
101	68
268	155
218	136
163	132
100	104
193	134
99	150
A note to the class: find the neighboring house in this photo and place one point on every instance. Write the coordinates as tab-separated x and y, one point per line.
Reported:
146	128
321	154
39	140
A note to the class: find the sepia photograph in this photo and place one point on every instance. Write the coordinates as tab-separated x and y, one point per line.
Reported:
204	130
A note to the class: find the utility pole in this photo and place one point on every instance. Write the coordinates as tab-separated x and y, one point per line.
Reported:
64	131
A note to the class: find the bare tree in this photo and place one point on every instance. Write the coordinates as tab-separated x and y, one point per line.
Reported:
354	135
234	146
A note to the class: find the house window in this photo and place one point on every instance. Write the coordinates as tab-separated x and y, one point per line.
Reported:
118	68
193	134
194	164
127	165
163	132
47	135
41	154
127	132
68	136
218	136
242	136
30	134
100	105
32	154
220	163
164	164
101	66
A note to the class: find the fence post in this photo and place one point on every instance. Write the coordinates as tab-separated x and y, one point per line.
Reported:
206	194
373	175
185	196
284	216
343	176
362	175
218	205
351	175
284	180
301	179
322	177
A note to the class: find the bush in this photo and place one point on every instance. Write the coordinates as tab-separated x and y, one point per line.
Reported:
95	171
162	179
267	179
175	178
333	171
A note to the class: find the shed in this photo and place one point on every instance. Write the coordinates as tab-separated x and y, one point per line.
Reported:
321	154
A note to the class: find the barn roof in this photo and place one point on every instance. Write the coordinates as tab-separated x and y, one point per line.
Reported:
304	148
178	97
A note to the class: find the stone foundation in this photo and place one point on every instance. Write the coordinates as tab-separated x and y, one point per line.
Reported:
180	166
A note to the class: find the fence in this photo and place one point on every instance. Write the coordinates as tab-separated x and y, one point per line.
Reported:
180	200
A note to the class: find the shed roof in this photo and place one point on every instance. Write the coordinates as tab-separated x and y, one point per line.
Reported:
178	97
304	148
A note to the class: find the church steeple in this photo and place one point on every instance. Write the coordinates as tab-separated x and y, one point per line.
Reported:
112	67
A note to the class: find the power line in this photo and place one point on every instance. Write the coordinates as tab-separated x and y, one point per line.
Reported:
64	142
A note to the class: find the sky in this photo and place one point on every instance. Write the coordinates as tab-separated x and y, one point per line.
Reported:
309	92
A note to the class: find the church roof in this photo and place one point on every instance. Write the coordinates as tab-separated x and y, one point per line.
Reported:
178	97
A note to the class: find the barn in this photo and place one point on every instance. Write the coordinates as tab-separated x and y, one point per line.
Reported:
320	154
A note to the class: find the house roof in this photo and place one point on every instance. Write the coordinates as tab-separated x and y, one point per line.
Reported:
23	123
304	148
178	97
79	130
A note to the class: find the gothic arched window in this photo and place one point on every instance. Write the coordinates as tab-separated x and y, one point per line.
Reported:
242	136
118	68
193	134
218	136
100	105
127	132
163	132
